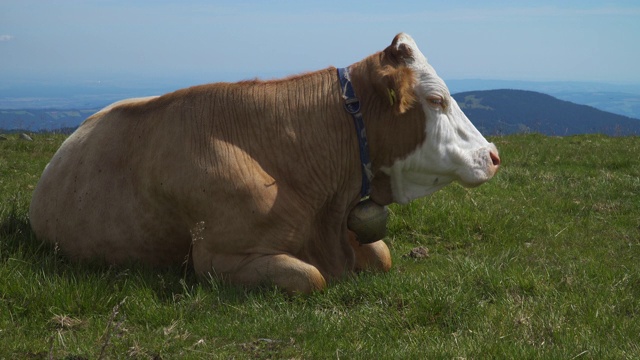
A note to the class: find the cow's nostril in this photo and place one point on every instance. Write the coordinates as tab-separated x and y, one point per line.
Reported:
495	159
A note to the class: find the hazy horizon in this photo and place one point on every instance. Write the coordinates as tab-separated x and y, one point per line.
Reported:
616	98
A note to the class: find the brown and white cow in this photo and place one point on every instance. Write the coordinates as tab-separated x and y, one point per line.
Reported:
254	181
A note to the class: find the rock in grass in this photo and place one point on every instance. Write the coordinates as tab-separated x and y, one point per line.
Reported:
25	137
419	252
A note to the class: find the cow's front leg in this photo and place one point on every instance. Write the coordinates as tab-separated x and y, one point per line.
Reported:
374	256
282	270
285	271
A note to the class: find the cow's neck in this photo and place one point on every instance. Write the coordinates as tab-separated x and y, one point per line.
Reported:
391	136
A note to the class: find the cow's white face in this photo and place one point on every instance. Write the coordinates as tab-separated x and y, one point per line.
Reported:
453	150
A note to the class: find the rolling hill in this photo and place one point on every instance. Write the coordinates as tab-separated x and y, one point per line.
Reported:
501	112
494	112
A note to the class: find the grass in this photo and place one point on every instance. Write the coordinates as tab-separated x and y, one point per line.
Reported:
542	262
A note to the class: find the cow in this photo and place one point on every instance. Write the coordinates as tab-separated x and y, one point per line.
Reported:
254	182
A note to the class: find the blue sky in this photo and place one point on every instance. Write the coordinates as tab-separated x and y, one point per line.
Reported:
126	40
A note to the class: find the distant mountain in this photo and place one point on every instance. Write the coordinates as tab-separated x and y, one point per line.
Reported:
42	120
493	112
517	111
621	99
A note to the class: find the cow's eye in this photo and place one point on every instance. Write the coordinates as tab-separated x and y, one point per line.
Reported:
435	101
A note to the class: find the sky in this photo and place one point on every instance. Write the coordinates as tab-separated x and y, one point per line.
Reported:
123	41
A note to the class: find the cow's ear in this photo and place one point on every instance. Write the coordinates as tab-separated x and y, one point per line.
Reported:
398	53
398	79
397	87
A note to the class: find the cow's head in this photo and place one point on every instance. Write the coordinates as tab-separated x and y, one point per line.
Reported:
440	144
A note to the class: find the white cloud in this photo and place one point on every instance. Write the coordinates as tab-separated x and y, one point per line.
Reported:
6	37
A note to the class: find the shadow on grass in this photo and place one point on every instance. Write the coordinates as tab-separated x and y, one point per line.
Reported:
19	243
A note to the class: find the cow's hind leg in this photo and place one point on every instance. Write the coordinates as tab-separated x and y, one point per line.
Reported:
374	256
282	270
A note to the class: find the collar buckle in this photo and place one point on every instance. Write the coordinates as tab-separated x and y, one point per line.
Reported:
352	105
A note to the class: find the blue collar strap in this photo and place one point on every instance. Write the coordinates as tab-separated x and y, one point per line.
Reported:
352	105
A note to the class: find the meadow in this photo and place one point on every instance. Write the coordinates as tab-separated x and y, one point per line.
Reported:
543	262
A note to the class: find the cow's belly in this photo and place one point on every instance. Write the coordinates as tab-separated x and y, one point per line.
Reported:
88	221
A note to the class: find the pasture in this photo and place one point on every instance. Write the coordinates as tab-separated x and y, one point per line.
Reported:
542	262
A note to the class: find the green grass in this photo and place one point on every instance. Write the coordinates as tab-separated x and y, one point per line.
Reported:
542	262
